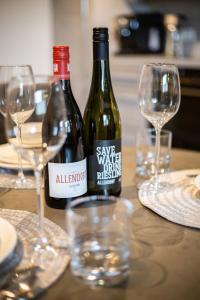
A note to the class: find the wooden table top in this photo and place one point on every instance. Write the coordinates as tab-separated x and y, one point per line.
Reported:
165	262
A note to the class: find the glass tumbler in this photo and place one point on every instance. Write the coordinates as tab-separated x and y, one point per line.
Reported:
100	236
145	152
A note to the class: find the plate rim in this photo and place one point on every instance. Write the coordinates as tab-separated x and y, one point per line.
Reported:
13	166
11	232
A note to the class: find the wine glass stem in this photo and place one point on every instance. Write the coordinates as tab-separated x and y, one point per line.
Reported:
157	165
20	171
40	203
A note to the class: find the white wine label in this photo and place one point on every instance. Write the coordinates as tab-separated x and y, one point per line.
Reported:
67	180
106	163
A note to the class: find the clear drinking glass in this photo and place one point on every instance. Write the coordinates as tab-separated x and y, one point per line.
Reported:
159	100
42	135
99	232
145	153
6	74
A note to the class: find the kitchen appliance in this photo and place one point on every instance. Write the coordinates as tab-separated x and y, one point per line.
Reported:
141	33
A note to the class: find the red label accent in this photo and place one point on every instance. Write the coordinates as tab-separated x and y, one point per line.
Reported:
61	70
70	178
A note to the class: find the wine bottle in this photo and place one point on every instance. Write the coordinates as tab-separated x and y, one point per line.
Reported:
66	174
102	124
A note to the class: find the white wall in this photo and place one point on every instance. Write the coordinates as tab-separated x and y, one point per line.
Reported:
68	31
26	33
29	28
74	21
103	14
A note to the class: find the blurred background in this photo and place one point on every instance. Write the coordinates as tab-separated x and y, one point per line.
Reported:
140	31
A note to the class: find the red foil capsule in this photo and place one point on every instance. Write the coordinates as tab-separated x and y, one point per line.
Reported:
61	62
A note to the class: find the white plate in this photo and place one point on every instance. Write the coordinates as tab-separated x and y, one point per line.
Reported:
197	181
9	158
8	239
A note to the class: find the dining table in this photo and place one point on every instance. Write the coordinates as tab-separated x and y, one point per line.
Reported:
165	257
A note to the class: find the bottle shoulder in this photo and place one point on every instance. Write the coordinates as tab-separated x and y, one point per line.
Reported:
74	115
101	115
74	145
71	103
101	104
101	121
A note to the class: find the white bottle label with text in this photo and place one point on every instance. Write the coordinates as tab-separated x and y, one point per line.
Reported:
67	180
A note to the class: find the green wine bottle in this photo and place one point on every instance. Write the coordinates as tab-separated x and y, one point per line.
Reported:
102	125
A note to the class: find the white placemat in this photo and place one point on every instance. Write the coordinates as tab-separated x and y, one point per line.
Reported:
26	225
181	203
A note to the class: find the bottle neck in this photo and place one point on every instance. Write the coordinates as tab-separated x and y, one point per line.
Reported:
61	69
66	85
101	68
100	51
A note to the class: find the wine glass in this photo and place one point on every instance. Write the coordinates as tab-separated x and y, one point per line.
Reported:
42	134
159	101
6	73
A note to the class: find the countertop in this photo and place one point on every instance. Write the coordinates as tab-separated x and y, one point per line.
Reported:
129	60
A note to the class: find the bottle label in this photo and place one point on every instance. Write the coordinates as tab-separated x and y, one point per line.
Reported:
105	165
67	180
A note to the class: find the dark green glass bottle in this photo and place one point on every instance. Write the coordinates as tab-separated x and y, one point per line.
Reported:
102	124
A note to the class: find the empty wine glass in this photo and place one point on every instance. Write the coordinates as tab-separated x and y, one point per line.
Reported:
6	73
42	134
159	101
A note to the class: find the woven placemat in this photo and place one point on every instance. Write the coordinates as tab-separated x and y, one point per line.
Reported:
26	225
180	203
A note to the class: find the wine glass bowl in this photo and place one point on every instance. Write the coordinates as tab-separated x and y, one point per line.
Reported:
15	104
43	132
159	93
20	95
42	135
159	101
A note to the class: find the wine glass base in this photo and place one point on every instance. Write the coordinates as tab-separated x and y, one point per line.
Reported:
11	181
151	187
42	252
